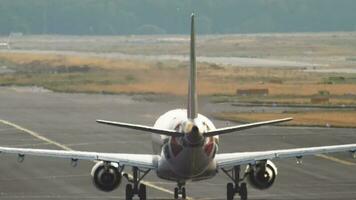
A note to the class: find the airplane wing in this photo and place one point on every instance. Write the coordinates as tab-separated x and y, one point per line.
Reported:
243	127
226	160
135	160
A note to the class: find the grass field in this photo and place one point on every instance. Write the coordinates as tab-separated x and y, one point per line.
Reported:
315	118
68	73
80	69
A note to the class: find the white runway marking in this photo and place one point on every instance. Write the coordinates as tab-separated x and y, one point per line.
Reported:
64	147
340	161
149	184
36	135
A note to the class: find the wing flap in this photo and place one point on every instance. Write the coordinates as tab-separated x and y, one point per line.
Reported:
135	160
234	159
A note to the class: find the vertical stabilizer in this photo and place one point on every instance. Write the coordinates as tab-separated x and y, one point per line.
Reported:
192	95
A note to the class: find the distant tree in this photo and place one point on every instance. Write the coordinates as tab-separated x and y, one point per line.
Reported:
149	29
111	17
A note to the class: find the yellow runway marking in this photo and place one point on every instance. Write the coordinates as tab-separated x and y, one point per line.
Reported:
340	161
38	136
151	185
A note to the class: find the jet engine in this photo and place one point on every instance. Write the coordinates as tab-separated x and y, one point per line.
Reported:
106	176
262	175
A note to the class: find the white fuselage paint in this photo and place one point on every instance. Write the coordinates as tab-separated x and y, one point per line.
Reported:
180	160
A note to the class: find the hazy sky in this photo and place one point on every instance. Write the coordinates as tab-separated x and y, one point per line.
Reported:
111	17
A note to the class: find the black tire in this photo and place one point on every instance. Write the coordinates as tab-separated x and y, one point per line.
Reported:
129	192
230	191
176	193
243	191
184	195
142	192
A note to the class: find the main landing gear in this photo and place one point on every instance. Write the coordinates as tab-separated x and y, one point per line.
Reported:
180	191
136	188
236	187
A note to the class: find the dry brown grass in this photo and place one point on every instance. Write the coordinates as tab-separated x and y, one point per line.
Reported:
306	100
317	118
301	89
55	60
171	78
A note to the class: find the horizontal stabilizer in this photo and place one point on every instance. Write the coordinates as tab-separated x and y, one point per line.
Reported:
142	128
243	127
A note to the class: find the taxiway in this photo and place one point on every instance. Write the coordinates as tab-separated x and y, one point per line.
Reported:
69	120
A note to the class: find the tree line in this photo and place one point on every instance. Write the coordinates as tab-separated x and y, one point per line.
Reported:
118	17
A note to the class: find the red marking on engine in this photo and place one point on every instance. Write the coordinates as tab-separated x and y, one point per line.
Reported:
208	147
175	146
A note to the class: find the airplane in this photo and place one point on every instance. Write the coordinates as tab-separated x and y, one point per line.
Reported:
6	44
185	148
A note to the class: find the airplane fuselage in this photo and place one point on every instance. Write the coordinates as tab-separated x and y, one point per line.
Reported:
185	158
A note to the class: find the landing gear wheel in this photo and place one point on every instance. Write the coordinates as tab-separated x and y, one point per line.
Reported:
230	191
142	192
184	195
129	192
243	191
236	187
176	193
180	191
136	188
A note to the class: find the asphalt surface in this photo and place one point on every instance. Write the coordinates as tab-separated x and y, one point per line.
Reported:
69	119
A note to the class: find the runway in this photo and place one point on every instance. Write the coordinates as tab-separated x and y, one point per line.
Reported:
68	121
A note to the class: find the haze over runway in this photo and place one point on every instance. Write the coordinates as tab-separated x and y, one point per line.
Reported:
69	119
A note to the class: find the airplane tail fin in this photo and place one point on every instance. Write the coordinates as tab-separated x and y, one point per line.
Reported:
192	105
192	93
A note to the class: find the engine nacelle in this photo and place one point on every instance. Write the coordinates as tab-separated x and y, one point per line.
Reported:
106	176
262	175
